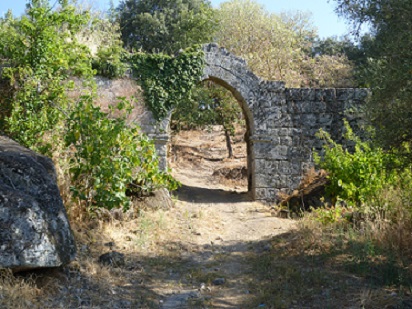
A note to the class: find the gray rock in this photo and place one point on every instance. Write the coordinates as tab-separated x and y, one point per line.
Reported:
160	199
219	281
34	229
114	258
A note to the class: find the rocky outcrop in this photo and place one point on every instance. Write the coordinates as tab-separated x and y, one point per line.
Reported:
34	229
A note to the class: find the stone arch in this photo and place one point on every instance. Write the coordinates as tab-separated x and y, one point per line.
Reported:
231	72
281	122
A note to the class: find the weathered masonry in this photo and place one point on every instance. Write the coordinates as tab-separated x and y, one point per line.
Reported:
281	122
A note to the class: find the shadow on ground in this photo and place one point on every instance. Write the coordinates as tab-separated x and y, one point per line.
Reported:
194	194
272	273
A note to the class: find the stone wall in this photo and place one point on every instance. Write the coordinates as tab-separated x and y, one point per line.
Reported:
281	122
108	92
284	139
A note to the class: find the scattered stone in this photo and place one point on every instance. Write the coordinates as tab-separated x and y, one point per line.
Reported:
34	229
160	199
219	281
114	259
179	300
109	244
235	173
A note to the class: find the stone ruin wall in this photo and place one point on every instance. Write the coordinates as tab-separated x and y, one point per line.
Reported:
109	90
285	133
281	122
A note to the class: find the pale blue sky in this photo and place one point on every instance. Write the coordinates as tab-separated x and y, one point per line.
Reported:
324	18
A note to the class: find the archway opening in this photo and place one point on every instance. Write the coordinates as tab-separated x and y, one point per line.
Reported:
210	141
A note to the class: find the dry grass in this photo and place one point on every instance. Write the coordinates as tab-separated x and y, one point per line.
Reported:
85	283
17	292
344	265
338	266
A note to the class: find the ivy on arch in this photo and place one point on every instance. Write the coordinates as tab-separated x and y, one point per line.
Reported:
167	80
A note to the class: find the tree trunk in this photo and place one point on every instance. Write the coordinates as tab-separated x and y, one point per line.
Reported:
229	144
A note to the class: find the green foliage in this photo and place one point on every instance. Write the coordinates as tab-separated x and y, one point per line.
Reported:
102	36
41	53
329	215
167	80
165	25
208	105
388	72
110	156
279	46
354	53
272	45
109	63
356	177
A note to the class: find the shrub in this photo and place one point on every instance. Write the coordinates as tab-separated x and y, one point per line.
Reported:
109	156
358	176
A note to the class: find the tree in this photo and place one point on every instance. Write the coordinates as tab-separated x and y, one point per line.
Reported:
278	46
388	71
106	157
328	71
209	105
103	38
41	53
165	25
355	55
269	43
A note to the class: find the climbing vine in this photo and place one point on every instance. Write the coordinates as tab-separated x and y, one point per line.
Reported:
167	80
103	160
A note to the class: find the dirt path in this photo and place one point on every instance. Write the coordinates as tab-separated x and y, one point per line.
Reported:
222	275
196	254
225	229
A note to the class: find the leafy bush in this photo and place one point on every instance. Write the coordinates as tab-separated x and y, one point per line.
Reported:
109	156
108	62
358	176
167	80
329	215
43	54
103	39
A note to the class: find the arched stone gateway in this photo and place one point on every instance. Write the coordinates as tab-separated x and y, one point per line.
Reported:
281	122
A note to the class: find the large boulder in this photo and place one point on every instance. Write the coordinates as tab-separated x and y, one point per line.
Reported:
34	229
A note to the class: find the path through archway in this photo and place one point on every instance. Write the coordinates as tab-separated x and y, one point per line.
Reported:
208	142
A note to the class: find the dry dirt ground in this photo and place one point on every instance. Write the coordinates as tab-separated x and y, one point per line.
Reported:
227	223
192	255
213	249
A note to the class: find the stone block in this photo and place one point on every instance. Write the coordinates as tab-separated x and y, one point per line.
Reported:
293	94
318	107
345	94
